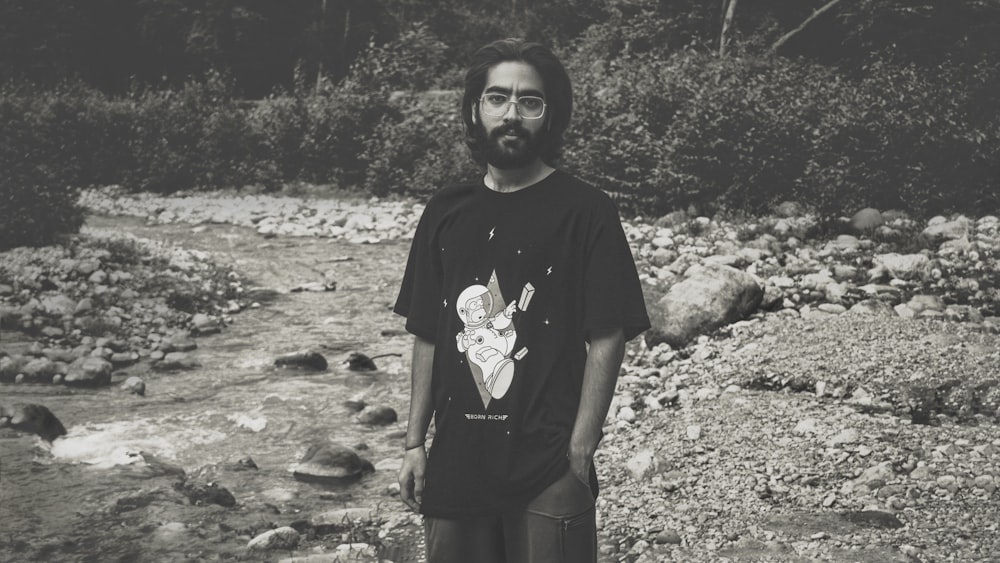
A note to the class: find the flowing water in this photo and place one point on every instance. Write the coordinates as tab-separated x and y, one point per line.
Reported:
104	491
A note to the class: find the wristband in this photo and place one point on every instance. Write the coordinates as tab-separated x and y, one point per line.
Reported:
408	448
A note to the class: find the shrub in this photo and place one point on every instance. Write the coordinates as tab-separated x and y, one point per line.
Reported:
746	133
41	153
418	147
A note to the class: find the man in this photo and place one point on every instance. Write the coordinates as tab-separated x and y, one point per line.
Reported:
521	291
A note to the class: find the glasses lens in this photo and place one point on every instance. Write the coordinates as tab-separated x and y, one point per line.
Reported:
495	104
530	107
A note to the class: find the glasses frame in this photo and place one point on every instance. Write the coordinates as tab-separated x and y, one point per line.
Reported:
516	101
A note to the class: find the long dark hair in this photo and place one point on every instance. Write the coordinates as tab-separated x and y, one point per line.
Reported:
558	93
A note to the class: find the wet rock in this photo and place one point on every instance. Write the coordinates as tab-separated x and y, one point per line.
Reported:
377	415
204	324
178	343
304	359
88	372
138	500
176	361
201	494
330	462
709	297
873	519
280	538
134	385
36	419
360	362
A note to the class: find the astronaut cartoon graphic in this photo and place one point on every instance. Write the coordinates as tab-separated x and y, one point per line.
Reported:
488	337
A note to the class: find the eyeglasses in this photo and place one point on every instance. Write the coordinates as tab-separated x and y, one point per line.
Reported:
528	107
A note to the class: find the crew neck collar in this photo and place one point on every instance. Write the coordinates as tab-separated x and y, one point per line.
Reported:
528	188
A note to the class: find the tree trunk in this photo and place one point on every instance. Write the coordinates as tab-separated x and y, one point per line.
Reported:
819	12
727	22
322	31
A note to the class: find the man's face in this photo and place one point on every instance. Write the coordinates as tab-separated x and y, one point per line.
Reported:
511	140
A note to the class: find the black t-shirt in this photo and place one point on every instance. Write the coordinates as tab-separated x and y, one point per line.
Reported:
508	286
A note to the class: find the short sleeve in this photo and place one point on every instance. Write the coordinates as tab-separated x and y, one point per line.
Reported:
612	292
419	298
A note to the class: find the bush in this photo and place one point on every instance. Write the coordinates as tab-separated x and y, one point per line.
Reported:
746	133
42	156
418	147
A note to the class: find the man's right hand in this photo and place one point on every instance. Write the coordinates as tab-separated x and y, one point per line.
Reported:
411	477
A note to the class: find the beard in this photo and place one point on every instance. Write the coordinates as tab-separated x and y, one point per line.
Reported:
504	153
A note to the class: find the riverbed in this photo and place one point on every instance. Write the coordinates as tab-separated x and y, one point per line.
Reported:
104	491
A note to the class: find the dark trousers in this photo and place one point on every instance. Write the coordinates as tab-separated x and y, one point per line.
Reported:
557	526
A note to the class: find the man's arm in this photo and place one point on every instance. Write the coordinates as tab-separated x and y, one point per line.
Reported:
411	474
604	360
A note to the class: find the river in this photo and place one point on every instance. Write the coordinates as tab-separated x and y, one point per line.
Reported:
90	497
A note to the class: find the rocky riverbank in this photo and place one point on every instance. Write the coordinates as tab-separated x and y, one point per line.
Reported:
841	404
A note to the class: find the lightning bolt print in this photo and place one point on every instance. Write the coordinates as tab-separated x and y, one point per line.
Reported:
549	271
491	232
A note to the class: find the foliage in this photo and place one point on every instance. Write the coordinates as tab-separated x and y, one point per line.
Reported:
418	147
746	133
42	157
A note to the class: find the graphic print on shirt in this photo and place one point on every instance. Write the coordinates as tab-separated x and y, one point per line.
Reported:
489	336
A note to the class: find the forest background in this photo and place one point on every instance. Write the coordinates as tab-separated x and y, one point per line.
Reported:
716	106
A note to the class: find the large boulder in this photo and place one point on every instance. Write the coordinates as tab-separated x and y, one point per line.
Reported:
939	230
37	419
88	372
331	463
903	266
709	297
868	219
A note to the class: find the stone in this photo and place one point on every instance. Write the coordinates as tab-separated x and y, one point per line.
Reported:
806	426
303	359
844	437
693	432
874	477
641	464
279	538
32	418
134	385
903	266
867	219
178	343
709	297
57	305
668	537
377	415
937	232
331	462
873	519
924	302
88	372
871	308
205	324
202	494
176	361
38	370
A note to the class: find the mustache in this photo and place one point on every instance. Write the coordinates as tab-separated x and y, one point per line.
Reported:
514	128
